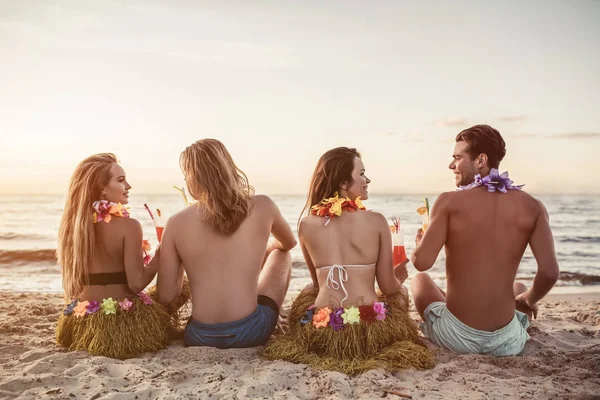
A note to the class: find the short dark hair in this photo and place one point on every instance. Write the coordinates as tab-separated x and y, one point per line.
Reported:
484	139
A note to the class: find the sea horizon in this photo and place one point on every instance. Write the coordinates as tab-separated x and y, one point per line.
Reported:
28	236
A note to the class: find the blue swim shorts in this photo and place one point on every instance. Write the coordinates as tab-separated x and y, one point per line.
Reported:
445	330
250	331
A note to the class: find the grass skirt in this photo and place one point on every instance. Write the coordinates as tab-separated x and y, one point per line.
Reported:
393	344
126	334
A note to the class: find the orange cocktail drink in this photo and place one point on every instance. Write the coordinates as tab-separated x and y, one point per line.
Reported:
159	232
398	250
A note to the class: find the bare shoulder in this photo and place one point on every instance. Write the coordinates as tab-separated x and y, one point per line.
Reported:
309	223
377	219
183	214
447	199
311	220
264	205
130	222
538	206
130	225
262	200
530	203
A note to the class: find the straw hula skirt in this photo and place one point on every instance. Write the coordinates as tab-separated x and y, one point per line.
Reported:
351	339
120	328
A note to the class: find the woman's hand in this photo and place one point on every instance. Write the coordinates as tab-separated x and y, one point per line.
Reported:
400	271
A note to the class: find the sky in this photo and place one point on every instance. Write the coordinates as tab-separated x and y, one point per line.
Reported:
281	82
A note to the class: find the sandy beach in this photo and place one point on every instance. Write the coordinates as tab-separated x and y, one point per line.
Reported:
562	360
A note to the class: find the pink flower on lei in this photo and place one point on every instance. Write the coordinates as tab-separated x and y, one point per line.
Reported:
104	210
125	304
380	310
145	298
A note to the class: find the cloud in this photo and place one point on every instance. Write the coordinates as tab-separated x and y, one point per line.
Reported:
416	136
576	135
513	118
523	135
451	122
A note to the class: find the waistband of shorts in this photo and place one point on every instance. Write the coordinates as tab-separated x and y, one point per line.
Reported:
505	329
261	300
267	301
223	325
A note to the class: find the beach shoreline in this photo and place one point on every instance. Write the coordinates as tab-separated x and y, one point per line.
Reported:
562	360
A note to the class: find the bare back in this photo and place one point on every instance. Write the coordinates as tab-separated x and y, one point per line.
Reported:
109	256
487	234
353	239
223	271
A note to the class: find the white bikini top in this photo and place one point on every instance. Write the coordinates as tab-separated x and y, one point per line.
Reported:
342	277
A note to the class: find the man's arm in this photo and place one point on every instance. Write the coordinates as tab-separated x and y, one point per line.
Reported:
542	246
281	231
171	271
434	238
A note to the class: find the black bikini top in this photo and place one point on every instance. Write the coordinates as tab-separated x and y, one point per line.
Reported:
107	278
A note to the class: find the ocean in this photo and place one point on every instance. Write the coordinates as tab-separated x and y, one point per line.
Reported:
29	226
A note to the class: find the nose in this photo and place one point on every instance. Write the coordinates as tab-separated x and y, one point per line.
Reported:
368	180
127	185
451	166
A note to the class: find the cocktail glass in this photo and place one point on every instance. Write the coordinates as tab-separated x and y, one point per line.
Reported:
398	250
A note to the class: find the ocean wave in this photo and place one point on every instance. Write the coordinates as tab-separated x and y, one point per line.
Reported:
27	256
571	277
21	236
580	239
577	255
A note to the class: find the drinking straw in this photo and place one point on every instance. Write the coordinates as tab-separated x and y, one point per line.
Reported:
396	222
150	212
182	191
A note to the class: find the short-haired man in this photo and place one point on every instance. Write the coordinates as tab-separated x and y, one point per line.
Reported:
485	228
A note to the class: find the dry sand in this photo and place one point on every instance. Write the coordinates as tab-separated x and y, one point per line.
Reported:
562	360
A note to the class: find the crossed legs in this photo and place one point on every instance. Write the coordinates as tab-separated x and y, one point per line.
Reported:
274	278
425	292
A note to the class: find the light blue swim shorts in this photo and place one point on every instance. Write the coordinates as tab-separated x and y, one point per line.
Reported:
445	330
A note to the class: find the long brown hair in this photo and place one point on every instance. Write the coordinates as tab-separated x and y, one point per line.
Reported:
333	169
218	184
76	239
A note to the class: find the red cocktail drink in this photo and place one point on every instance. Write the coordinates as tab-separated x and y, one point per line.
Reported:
399	254
159	232
398	251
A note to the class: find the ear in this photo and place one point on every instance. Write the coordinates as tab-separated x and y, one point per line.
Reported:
482	160
344	186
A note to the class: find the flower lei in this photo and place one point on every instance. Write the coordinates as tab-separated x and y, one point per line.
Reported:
333	207
338	317
104	210
107	306
494	181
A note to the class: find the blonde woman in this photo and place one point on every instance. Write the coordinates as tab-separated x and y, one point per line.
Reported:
238	277
102	261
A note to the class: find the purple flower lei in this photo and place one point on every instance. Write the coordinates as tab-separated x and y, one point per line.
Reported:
335	319
494	181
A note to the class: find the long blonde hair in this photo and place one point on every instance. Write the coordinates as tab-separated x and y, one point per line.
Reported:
218	184
76	239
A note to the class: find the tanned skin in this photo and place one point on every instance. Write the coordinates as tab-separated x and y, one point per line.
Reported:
484	235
